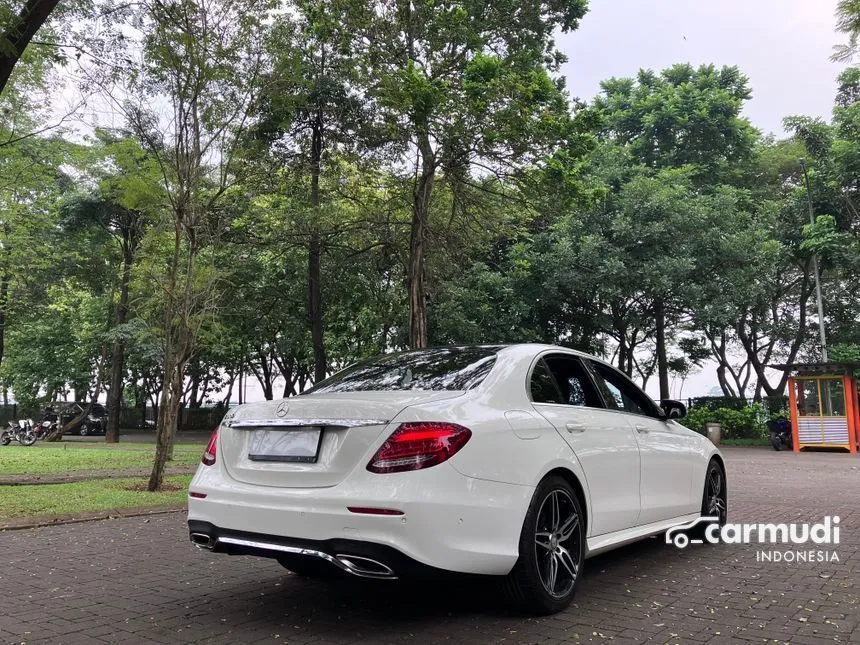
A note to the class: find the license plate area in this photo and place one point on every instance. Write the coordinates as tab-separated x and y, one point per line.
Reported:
291	445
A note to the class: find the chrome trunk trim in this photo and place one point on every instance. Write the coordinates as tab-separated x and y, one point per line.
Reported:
298	423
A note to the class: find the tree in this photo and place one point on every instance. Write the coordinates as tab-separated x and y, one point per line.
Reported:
683	118
312	111
126	196
201	59
17	30
460	87
847	22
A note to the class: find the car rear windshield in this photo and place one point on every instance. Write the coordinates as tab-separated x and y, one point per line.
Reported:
444	368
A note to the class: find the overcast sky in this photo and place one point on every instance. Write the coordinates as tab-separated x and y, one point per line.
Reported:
781	45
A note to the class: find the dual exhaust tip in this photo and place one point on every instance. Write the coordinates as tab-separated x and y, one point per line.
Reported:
203	541
356	565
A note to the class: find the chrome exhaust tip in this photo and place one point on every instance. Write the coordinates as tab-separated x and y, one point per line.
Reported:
365	567
203	541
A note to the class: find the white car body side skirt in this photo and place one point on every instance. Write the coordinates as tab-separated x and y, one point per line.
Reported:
607	541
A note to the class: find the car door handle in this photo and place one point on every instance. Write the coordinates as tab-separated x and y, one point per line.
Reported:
575	427
641	429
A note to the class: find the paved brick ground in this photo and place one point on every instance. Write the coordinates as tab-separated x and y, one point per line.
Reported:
138	580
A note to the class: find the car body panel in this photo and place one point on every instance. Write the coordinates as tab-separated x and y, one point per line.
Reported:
447	521
608	453
466	514
667	459
341	448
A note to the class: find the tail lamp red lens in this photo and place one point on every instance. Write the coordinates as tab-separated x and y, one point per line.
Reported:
417	445
211	450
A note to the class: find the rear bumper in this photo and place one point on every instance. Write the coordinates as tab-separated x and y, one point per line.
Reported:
360	559
449	522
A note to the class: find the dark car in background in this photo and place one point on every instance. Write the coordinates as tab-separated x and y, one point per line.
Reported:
63	412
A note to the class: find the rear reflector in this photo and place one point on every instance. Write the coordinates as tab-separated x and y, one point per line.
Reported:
419	444
211	450
373	511
197	495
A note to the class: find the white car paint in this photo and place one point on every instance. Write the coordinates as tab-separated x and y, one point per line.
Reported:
466	514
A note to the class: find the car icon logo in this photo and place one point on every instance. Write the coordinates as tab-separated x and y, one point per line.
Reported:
282	409
677	534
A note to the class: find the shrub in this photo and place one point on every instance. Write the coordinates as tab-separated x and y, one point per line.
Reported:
747	423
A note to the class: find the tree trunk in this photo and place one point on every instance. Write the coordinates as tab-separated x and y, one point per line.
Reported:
117	369
176	352
622	351
4	299
315	314
660	342
315	306
194	394
265	376
20	32
423	192
168	415
229	394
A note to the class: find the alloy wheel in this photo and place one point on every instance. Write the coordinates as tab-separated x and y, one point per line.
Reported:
715	499
557	548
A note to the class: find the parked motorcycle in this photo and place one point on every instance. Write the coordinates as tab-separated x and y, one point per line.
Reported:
21	431
780	434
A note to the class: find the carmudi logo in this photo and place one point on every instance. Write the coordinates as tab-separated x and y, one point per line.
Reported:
821	534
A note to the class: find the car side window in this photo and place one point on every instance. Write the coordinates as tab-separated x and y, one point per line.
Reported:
543	387
620	393
573	380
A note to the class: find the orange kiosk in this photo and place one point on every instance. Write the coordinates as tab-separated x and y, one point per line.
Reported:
823	405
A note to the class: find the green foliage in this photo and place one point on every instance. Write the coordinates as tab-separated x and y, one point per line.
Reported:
848	22
56	347
254	142
746	423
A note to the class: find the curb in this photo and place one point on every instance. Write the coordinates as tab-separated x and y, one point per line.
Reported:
91	516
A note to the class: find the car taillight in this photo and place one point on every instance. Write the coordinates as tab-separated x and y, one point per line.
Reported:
211	450
417	445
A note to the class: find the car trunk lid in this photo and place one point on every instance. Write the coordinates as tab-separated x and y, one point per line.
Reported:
349	424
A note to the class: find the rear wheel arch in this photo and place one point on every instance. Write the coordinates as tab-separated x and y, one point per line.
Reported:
716	457
573	480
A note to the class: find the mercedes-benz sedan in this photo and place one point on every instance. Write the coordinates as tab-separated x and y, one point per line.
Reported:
512	461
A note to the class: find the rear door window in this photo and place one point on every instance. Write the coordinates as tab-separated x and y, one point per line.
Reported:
543	386
573	380
619	392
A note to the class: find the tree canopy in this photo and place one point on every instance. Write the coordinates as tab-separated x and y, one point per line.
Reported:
288	187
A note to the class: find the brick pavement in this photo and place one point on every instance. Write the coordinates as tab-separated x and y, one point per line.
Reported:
138	580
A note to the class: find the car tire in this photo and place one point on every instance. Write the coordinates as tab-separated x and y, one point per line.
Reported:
552	550
714	504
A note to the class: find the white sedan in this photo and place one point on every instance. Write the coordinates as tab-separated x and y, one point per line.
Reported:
517	461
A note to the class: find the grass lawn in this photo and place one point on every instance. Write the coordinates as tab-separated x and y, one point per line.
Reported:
93	495
746	442
44	458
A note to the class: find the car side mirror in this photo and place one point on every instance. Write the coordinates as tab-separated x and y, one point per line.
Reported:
673	409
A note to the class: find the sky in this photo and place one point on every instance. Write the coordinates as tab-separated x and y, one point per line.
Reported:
783	47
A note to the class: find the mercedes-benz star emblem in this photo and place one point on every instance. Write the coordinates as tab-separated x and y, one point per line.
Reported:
282	409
